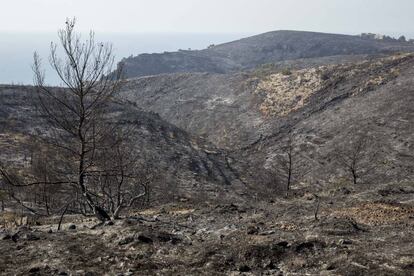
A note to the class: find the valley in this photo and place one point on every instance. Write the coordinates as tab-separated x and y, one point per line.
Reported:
286	153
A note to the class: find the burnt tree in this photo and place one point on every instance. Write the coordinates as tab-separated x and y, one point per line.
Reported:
288	164
355	156
76	112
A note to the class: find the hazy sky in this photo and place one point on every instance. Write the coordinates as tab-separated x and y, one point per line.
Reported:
211	16
147	26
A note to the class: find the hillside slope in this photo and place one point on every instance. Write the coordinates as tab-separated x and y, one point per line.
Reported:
375	102
186	165
265	48
223	132
251	114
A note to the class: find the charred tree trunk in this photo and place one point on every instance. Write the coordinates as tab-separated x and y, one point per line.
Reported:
62	215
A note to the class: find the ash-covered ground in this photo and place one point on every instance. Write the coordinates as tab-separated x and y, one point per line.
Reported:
358	230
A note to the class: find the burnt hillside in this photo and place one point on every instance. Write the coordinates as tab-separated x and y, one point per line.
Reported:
261	49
